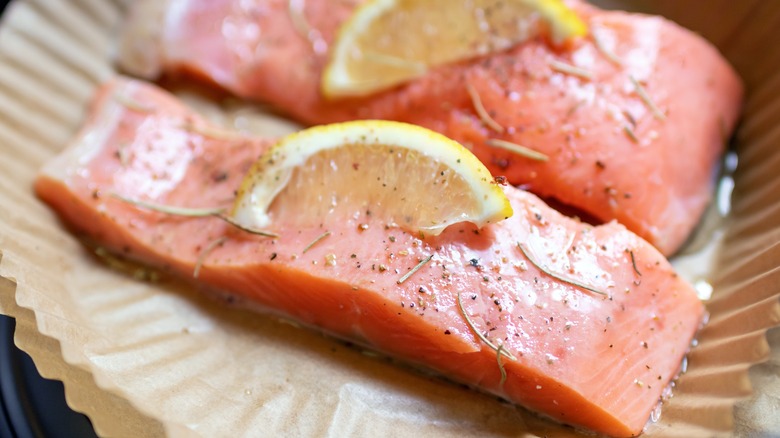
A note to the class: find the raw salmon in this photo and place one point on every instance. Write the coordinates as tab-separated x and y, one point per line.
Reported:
634	134
590	360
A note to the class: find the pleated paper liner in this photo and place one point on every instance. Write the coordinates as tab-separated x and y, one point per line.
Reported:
148	358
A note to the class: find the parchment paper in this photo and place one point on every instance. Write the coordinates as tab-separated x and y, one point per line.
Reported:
152	358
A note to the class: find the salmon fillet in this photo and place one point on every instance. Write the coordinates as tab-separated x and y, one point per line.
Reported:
610	154
595	361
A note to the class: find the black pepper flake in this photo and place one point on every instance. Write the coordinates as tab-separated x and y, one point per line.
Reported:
474	262
219	176
496	302
273	256
600	164
447	332
501	163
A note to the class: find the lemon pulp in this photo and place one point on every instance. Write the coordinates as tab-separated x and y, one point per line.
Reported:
407	175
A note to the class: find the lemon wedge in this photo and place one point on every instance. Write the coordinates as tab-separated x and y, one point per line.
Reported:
388	42
403	174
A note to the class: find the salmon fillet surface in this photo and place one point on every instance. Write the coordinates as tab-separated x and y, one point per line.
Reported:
610	155
595	361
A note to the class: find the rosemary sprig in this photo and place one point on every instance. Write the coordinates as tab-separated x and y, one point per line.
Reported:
316	241
569	69
517	149
217	212
640	90
499	350
481	111
415	269
205	253
557	276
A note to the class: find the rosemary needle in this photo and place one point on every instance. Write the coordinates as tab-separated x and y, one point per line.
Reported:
499	350
205	253
217	212
557	276
640	90
518	149
630	133
176	211
633	263
246	229
316	241
480	109
501	368
569	69
415	269
605	51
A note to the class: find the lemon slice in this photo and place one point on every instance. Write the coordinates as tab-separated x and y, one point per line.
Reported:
404	174
388	42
